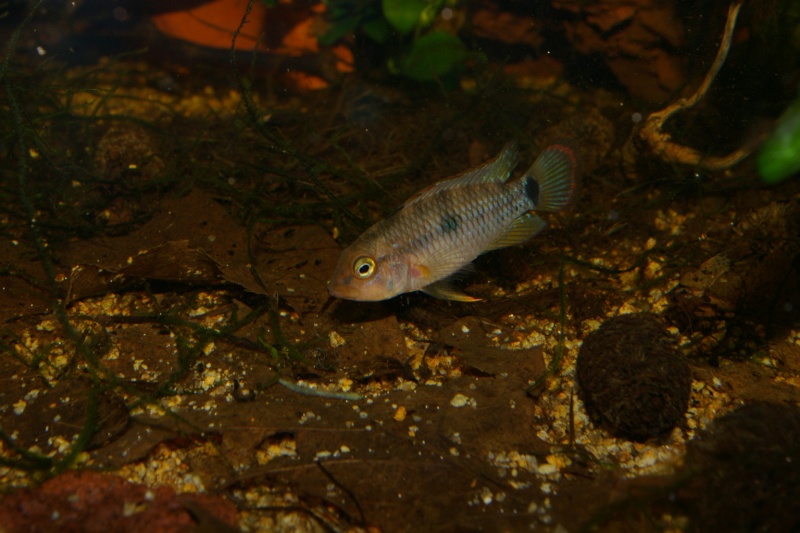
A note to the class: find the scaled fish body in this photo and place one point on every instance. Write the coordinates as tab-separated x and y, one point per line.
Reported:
444	227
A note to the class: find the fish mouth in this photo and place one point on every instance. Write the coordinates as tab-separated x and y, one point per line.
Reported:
345	291
341	290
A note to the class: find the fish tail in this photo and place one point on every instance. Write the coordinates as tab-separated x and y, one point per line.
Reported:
550	182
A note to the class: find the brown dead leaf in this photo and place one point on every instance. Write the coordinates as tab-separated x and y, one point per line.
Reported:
52	417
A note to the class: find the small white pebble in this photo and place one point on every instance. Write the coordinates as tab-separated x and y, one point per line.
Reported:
335	340
459	400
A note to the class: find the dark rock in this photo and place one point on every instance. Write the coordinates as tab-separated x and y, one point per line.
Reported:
124	152
632	378
745	471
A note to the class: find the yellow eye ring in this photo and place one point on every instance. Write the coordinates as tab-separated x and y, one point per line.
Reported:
364	267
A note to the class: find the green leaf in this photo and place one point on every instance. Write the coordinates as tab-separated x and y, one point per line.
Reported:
378	30
434	55
341	28
429	13
779	156
403	15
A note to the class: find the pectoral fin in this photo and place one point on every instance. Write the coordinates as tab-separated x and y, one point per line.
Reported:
443	264
445	291
519	231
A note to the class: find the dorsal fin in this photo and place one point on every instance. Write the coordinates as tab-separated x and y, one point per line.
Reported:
494	170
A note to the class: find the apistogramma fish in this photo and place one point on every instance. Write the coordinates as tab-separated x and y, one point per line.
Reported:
443	228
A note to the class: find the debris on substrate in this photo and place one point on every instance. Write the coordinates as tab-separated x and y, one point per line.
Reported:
190	319
454	401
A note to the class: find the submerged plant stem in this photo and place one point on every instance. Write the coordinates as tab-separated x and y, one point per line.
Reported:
555	364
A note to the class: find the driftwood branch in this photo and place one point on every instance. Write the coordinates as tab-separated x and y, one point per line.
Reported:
660	142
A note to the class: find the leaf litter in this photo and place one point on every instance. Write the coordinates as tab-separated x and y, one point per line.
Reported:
204	354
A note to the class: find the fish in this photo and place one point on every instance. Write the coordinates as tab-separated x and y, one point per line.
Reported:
440	230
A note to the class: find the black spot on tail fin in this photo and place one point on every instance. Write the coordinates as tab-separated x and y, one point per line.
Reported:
532	189
553	173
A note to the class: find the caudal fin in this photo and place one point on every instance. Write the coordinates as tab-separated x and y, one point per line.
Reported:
550	182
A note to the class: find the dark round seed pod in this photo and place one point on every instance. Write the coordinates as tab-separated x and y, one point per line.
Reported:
632	379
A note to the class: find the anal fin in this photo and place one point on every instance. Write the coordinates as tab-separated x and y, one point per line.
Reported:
445	291
519	231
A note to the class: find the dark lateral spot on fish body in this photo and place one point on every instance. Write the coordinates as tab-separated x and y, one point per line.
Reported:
450	223
532	190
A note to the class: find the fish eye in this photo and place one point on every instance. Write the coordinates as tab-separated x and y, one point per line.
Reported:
364	267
